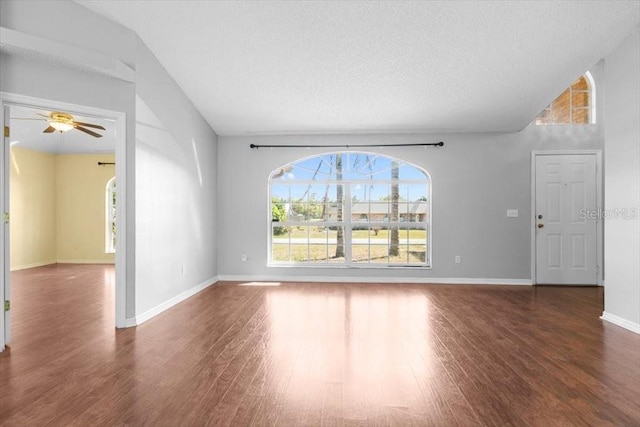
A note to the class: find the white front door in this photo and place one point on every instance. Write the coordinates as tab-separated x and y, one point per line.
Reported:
5	271
566	219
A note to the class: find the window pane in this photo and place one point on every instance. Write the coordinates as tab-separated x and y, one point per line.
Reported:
360	253
334	203
580	84
580	116
316	208
579	99
545	117
318	253
336	241
280	252
406	171
378	192
403	212
417	254
379	211
300	236
279	243
566	108
379	254
399	255
299	252
280	192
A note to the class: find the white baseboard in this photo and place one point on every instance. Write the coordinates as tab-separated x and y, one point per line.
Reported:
624	323
138	320
425	280
33	265
85	261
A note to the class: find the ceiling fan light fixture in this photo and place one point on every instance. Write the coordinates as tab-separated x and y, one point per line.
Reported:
61	121
62	127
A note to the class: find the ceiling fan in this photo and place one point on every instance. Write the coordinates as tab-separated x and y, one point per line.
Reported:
62	122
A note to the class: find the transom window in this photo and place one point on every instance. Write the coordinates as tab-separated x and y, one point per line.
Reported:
573	106
350	209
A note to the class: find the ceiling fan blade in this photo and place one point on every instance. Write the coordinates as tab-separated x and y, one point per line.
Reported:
90	132
49	130
25	118
89	125
44	115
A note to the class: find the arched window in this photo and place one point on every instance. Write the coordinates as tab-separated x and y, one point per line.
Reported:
110	216
576	105
350	209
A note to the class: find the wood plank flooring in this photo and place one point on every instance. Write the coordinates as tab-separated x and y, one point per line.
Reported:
313	354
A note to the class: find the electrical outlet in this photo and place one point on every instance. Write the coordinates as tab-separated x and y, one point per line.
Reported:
457	259
243	257
512	213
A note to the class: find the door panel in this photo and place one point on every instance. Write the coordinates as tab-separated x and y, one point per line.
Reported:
566	237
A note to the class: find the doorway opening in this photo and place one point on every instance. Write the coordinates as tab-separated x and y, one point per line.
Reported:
48	181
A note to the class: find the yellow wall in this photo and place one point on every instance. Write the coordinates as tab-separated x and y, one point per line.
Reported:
80	188
58	208
33	208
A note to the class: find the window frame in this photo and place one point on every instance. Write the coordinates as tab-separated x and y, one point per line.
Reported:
591	107
350	224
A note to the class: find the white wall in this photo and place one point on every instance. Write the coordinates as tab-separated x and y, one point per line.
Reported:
175	189
622	184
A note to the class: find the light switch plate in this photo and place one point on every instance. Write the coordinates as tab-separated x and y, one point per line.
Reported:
512	213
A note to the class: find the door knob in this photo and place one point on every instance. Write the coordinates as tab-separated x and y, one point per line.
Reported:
540	225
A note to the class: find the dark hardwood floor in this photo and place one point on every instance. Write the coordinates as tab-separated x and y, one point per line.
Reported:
316	354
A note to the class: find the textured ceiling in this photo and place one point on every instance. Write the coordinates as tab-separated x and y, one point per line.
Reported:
341	67
27	133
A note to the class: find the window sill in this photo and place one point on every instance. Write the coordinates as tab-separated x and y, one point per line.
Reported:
351	266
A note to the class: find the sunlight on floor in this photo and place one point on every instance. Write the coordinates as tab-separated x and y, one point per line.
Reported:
260	284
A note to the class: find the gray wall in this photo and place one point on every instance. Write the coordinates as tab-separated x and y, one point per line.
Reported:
175	189
622	184
475	178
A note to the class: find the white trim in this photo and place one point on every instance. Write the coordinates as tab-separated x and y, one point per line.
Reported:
376	279
120	125
121	219
592	100
4	228
619	321
599	206
138	320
